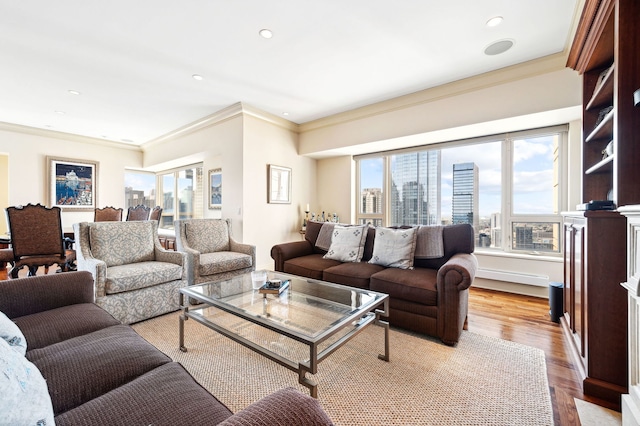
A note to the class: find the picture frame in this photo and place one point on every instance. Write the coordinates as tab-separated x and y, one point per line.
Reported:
279	184
72	183
215	189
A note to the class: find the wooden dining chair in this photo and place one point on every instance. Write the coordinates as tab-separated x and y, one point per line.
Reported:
37	239
107	214
138	212
156	213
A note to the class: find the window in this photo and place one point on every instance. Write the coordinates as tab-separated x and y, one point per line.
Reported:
139	188
502	182
182	195
181	189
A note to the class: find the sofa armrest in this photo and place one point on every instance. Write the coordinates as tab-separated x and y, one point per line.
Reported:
285	251
454	279
26	296
457	273
243	248
285	407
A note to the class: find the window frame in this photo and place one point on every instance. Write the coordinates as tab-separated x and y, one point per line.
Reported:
507	217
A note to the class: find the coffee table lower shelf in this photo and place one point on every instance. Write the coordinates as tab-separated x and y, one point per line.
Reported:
315	355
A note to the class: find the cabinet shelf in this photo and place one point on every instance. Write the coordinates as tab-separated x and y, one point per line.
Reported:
602	130
606	165
603	93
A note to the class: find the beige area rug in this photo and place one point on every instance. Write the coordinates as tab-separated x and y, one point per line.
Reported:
595	415
482	381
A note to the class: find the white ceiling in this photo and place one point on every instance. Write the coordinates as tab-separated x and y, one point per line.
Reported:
133	60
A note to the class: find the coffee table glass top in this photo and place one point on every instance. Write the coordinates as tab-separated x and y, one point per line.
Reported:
308	308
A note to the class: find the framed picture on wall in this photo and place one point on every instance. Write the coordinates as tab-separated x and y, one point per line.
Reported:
279	184
215	189
72	184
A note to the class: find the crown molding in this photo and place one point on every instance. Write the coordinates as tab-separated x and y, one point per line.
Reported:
516	72
69	137
238	109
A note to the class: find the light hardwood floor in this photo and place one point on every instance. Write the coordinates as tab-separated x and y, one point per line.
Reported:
524	320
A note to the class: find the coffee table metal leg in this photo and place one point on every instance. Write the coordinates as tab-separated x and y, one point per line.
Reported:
183	318
305	381
385	324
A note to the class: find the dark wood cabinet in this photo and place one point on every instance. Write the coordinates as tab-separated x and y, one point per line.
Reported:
595	304
605	52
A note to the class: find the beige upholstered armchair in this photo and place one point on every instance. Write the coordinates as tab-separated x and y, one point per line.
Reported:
135	277
213	253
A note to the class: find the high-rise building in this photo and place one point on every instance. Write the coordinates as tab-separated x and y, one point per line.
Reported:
524	238
496	230
415	188
372	200
465	194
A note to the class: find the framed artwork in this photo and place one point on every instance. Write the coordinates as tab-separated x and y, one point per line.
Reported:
72	184
215	189
279	185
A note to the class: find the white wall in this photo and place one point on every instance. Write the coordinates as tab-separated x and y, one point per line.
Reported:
28	148
533	95
243	141
217	143
271	141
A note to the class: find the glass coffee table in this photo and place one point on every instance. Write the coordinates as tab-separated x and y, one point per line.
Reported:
297	328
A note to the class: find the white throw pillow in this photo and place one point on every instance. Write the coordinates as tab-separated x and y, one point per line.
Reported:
25	398
394	248
10	333
347	243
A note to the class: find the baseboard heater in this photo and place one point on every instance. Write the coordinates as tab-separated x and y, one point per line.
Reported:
514	277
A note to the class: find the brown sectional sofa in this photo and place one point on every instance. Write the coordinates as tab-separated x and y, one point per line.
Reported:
432	298
99	371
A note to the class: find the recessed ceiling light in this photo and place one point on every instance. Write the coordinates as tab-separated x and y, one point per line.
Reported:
265	33
127	140
74	92
197	77
495	21
498	47
60	112
285	113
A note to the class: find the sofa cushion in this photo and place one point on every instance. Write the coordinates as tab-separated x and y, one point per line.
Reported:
166	395
85	367
207	236
417	285
223	261
310	266
352	274
56	325
119	243
10	333
394	248
135	276
347	243
25	398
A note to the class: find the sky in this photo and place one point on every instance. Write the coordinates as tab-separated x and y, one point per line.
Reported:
532	183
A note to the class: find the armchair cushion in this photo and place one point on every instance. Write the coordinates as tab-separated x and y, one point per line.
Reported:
224	261
114	247
208	236
139	275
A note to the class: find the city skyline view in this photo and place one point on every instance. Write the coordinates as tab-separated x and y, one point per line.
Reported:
533	175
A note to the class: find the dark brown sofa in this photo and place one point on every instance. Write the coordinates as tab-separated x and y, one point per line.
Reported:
432	298
100	372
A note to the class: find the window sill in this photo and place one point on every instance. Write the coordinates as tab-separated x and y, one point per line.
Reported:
526	256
